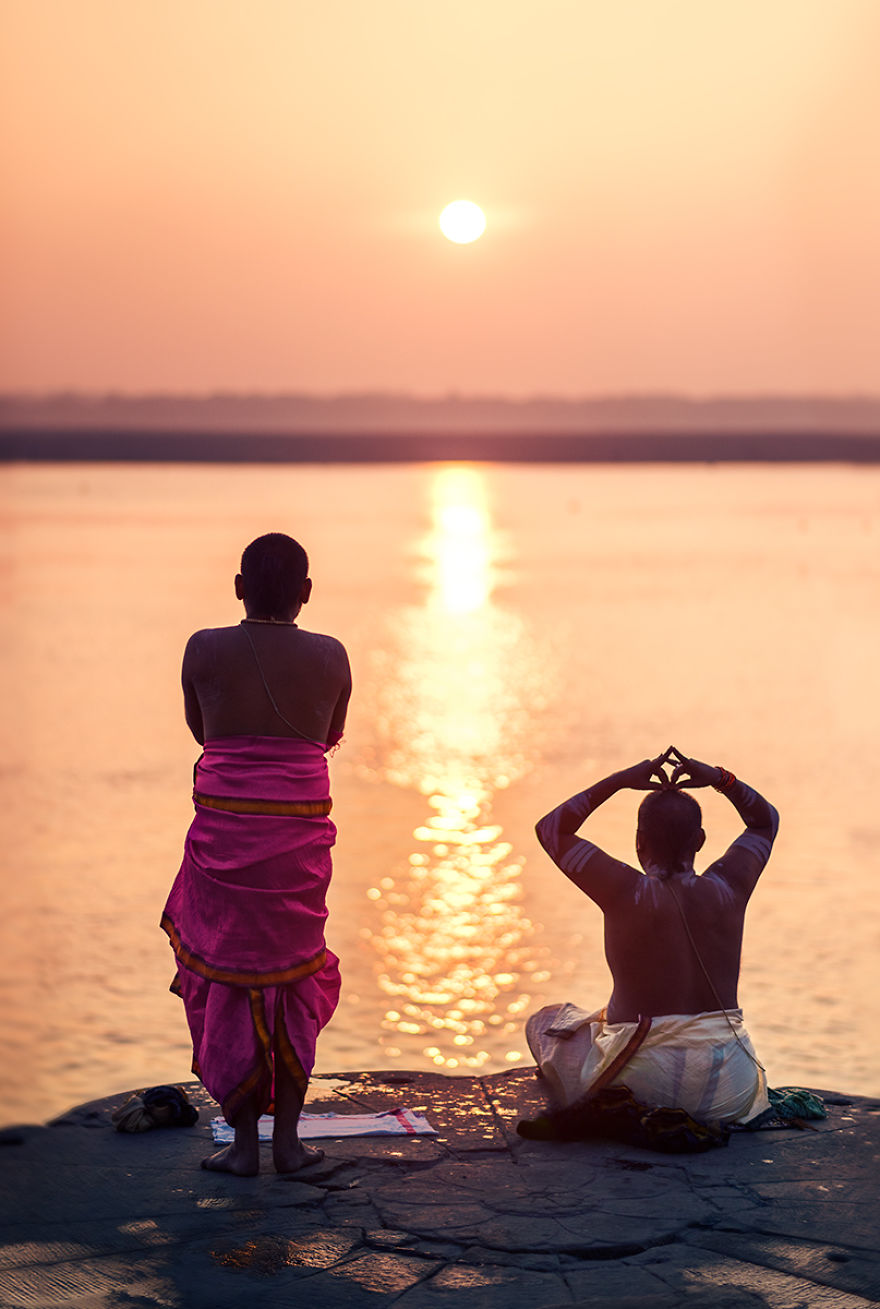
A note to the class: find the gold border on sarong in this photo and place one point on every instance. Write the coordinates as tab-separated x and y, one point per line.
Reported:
259	1079
231	977
285	1051
268	808
258	1082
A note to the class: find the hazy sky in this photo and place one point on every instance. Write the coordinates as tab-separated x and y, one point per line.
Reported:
243	194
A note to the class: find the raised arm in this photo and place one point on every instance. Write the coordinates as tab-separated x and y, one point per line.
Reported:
591	869
745	859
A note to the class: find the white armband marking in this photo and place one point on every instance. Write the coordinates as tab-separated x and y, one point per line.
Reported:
577	858
757	845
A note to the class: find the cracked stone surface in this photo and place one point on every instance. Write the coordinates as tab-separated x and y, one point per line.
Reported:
475	1218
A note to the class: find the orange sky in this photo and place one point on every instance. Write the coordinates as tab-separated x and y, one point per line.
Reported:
243	194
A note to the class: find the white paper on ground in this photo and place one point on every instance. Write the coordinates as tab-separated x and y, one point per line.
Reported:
395	1122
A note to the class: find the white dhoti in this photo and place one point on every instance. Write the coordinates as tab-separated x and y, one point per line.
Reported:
702	1063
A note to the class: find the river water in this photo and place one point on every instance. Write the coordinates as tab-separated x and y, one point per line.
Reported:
515	634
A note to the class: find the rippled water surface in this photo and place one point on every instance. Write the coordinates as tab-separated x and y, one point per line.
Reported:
515	633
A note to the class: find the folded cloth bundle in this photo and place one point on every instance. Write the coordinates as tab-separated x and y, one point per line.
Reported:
616	1113
159	1106
790	1106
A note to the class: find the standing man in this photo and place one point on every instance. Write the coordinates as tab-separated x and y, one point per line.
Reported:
672	1031
246	913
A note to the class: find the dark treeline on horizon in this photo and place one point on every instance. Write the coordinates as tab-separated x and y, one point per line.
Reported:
128	446
386	414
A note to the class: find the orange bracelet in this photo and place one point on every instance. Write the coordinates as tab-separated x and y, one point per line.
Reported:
727	779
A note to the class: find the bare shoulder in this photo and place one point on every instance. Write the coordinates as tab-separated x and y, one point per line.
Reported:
736	873
322	639
205	644
214	633
197	644
329	647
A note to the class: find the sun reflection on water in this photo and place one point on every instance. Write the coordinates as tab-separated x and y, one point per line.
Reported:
456	952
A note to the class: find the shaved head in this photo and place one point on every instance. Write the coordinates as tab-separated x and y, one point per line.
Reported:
670	830
273	570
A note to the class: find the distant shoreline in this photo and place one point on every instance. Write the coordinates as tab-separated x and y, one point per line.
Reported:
28	444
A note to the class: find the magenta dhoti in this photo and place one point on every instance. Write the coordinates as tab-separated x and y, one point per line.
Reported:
246	915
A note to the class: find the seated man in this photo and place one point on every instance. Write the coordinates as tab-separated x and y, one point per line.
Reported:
247	910
672	1031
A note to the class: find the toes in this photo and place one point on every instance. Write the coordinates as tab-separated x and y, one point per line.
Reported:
307	1158
225	1162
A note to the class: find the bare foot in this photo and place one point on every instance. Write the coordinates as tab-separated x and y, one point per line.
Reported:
243	1163
300	1157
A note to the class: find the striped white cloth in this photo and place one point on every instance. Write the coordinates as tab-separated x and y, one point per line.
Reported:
393	1122
703	1063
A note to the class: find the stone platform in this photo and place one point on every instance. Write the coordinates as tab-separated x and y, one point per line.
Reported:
475	1218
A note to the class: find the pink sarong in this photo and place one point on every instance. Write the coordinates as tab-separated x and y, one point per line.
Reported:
246	915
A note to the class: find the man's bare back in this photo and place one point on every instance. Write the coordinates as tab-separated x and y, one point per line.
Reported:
653	962
307	675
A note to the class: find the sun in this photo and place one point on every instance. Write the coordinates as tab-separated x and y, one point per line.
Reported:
462	222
